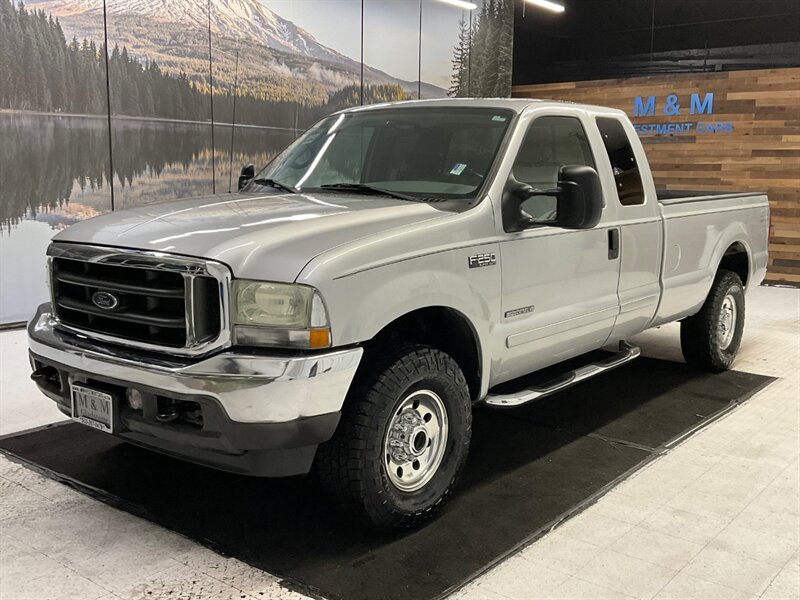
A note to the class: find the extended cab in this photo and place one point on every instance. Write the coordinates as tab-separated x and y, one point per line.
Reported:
387	271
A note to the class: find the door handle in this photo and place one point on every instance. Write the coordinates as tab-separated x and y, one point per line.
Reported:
613	244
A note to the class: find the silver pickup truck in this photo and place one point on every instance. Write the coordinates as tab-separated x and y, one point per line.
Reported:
348	308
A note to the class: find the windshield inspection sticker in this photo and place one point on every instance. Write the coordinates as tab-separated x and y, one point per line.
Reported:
499	118
458	169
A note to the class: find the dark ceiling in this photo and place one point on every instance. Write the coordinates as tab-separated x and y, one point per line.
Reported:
595	39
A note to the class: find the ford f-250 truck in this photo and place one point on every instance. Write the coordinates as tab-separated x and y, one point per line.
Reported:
380	277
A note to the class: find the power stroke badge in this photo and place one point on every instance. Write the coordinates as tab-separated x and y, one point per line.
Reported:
489	259
520	311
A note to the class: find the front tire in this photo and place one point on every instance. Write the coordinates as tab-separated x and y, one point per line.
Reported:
710	339
403	438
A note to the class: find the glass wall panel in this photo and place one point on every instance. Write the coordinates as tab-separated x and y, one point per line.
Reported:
54	151
160	100
391	50
445	49
296	61
467	51
491	49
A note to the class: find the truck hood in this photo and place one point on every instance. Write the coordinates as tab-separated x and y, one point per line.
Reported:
269	236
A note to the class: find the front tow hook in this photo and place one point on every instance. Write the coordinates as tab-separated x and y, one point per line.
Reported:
44	374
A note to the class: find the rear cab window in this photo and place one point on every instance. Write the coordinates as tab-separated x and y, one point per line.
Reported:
628	179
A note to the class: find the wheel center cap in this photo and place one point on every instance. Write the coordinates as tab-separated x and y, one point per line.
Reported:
727	322
408	438
419	441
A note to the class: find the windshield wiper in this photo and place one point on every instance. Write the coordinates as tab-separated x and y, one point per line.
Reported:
276	184
363	188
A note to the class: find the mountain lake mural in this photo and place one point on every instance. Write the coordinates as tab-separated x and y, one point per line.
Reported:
196	89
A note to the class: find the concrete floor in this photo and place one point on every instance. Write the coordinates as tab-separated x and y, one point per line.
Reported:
717	517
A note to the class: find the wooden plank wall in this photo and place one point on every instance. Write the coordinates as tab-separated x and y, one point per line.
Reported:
761	154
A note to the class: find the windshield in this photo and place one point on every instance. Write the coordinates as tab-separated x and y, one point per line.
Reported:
406	152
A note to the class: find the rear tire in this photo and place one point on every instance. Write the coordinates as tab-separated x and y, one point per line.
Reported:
710	339
403	438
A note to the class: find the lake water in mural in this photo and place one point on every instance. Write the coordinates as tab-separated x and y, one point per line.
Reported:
54	172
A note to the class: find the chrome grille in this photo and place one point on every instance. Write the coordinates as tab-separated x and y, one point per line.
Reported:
148	300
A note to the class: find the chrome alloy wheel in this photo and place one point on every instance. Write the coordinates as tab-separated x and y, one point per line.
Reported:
415	440
727	322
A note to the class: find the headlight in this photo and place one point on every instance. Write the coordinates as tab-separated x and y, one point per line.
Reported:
279	314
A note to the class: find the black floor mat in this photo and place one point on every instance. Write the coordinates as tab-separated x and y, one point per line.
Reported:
528	468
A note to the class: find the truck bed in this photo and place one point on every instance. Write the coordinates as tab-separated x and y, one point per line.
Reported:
698	229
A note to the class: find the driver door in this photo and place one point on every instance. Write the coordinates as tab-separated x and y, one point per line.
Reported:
559	285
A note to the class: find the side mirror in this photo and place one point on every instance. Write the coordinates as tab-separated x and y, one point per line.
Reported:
579	201
247	174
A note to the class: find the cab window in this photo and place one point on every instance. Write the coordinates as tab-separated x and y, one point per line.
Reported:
623	161
550	144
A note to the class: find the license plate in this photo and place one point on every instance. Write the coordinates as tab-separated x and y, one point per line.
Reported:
93	408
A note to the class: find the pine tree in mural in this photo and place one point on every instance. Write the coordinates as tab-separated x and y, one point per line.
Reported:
505	47
459	87
482	57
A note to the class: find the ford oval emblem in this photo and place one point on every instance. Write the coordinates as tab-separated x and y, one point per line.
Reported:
105	300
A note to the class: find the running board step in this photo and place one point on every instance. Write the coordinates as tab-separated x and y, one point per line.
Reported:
625	355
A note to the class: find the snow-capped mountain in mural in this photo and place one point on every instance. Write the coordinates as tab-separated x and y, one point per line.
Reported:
240	19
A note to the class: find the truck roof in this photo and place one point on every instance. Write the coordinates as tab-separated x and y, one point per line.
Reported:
515	104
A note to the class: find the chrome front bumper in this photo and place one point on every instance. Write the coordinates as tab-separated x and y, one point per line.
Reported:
250	388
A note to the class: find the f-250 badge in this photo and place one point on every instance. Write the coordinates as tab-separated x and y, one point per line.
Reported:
488	259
